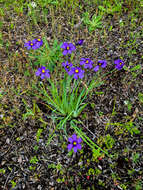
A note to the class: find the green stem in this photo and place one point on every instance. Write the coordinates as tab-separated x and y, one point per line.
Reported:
63	122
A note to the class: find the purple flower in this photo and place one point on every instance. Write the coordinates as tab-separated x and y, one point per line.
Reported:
68	48
39	42
43	72
67	65
77	72
119	64
74	143
35	44
86	62
80	42
101	63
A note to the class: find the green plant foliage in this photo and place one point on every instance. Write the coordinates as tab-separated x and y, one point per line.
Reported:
13	183
32	168
140	97
67	100
38	134
52	166
135	157
91	171
34	160
110	8
2	171
96	153
94	23
46	3
47	56
109	141
139	185
137	67
127	126
29	112
129	105
59	180
131	128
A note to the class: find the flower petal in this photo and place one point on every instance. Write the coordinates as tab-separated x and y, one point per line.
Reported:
69	147
118	67
63	64
34	41
71	72
42	76
104	65
75	76
47	74
82	62
34	47
28	47
70	65
38	72
65	52
80	42
64	45
79	140
26	44
75	149
86	66
81	74
69	51
70	139
96	68
74	137
79	146
42	67
72	47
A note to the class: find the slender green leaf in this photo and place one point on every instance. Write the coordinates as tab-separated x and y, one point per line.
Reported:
137	67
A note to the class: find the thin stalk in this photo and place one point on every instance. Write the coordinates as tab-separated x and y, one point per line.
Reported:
63	122
81	134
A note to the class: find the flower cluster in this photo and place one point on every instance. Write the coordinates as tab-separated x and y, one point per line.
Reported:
87	63
74	143
34	44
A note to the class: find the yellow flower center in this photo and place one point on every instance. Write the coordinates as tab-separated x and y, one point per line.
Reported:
87	61
43	71
74	143
68	48
67	66
39	40
99	63
120	63
76	70
31	44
